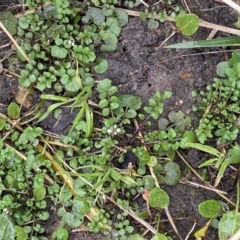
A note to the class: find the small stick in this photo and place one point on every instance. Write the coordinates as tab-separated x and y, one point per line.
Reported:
156	182
201	186
186	238
144	3
15	43
236	236
201	22
232	5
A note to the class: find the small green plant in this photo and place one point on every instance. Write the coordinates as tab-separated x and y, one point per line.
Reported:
229	221
218	106
221	160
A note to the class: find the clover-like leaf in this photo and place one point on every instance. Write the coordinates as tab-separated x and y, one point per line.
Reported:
104	85
102	65
58	52
152	23
122	18
130	101
96	15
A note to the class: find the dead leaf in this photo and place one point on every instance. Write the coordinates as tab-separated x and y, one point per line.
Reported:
145	196
186	75
202	232
23	98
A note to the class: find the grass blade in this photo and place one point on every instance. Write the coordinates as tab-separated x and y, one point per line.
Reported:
219	42
204	148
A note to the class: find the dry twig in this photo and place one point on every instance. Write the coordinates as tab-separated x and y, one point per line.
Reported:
201	23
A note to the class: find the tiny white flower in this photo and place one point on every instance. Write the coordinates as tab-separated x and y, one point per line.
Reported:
109	130
118	130
115	126
6	211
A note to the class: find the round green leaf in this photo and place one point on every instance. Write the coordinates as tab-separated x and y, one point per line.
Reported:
149	182
108	47
162	123
105	112
20	233
173	173
122	18
39	193
130	101
131	113
102	65
9	21
109	38
152	162
158	198
159	237
23	23
88	82
96	15
222	67
188	137
13	110
136	237
104	85
65	195
6	228
187	23
153	24
210	208
62	233
228	225
58	52
103	103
